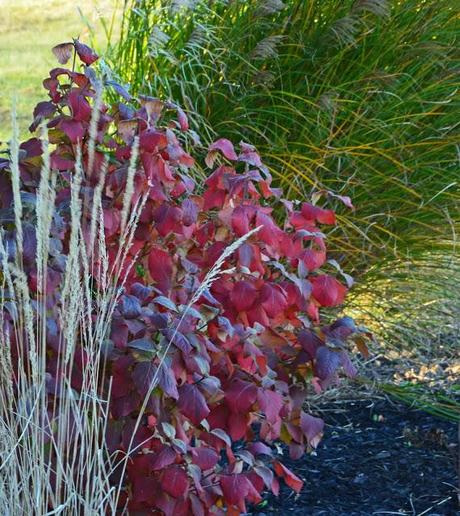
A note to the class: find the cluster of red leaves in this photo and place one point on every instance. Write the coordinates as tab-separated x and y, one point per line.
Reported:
238	370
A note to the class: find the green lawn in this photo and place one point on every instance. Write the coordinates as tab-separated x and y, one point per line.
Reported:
28	31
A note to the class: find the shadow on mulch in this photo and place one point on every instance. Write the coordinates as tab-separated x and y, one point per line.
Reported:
376	458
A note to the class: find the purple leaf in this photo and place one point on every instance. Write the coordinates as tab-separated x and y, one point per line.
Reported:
143	375
130	307
121	90
192	403
312	428
327	362
142	345
167	381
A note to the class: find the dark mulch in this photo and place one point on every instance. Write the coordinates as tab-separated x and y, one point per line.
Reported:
377	457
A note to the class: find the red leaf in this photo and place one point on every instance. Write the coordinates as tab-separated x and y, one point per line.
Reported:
270	403
130	306
161	269
166	218
175	481
291	480
345	200
81	109
310	342
204	458
182	117
179	340
213	199
241	395
313	258
143	375
259	448
145	489
347	364
151	140
44	110
218	416
60	162
255	487
74	129
243	296
312	428
197	505
85	53
270	233
251	157
273	299
237	426
164	458
189	212
340	330
327	290
235	489
142	437
296	451
225	147
320	215
241	220
124	405
111	221
192	403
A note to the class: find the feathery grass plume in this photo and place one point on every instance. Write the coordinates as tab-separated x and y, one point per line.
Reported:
14	157
129	189
177	5
158	39
345	30
96	207
95	116
267	7
380	8
197	38
45	202
267	47
52	437
157	43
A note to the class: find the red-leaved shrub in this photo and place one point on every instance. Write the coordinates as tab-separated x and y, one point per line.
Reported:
232	370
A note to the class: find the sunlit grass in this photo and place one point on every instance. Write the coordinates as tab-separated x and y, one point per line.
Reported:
28	31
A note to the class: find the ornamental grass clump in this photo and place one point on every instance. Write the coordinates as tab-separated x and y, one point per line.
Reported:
355	96
157	337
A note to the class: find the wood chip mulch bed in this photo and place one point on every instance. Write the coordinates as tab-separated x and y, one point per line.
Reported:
377	457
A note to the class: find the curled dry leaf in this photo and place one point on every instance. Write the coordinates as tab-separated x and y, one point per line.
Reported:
63	52
153	106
